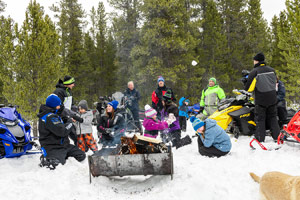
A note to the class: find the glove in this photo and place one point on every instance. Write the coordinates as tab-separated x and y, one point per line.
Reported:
101	129
171	119
201	109
77	118
66	119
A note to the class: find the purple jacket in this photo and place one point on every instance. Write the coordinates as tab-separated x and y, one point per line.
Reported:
164	116
152	125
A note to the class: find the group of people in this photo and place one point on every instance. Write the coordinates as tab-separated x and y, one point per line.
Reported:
58	122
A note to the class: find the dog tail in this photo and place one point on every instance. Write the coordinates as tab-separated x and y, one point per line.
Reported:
255	177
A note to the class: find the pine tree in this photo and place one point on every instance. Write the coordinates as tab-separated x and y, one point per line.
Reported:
32	63
289	42
70	15
3	29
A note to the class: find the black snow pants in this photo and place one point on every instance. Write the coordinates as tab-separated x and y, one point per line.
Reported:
63	152
210	151
266	115
182	122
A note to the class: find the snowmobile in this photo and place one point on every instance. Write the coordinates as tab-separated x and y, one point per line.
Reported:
236	115
292	129
15	139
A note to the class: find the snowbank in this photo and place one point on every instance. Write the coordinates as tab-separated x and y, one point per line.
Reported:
196	177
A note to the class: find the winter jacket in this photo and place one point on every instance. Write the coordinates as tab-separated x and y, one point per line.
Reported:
183	109
85	126
211	96
52	130
262	80
134	97
215	136
171	108
116	124
157	97
153	126
65	94
281	94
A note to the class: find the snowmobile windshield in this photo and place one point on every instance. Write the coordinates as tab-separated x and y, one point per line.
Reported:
118	96
8	113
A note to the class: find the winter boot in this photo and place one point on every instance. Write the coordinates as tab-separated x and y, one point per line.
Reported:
50	163
184	141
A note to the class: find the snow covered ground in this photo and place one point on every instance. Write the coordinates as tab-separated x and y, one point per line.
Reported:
196	177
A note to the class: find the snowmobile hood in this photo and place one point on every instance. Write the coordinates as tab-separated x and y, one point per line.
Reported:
8	113
60	84
209	123
45	110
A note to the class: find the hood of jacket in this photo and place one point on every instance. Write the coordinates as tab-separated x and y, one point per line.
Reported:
45	110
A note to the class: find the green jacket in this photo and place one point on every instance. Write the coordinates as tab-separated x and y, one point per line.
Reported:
211	96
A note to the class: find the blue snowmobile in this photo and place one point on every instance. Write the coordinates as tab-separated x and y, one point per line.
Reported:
15	139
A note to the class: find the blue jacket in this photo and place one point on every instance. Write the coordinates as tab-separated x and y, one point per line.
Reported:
215	136
183	109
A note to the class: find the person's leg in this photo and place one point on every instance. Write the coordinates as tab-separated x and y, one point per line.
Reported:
74	151
260	120
90	141
184	124
271	117
136	118
175	137
211	151
52	156
181	122
80	142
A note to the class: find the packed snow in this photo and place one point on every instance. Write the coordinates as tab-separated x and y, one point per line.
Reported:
195	177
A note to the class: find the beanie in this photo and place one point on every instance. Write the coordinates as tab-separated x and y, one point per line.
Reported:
83	104
53	100
213	79
196	123
259	57
68	80
160	78
114	104
149	112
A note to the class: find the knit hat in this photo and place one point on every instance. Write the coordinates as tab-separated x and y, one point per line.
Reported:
83	104
68	80
160	78
213	79
197	123
259	57
53	100
114	104
167	96
149	112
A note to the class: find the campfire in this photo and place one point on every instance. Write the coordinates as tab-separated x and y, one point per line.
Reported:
141	145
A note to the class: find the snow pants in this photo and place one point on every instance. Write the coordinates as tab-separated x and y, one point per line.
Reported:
87	141
209	151
182	122
63	152
266	115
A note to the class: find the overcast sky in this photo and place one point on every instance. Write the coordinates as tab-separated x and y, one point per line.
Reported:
16	8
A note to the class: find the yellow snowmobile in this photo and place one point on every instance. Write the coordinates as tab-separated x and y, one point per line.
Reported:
236	115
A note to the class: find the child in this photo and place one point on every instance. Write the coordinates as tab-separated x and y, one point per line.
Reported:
183	112
152	124
170	113
212	139
84	128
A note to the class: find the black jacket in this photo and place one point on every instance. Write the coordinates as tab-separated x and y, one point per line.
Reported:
133	97
52	130
63	92
263	80
157	97
107	122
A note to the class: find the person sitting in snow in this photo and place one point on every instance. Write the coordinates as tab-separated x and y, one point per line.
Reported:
54	131
170	114
213	141
111	125
152	124
84	128
183	112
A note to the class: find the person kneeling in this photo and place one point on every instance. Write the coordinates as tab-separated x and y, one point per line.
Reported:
54	133
212	139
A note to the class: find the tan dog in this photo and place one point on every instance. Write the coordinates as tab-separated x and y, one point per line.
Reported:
278	186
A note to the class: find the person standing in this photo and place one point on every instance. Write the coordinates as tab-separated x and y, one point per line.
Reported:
281	103
133	97
54	130
210	99
64	92
262	81
157	95
183	112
